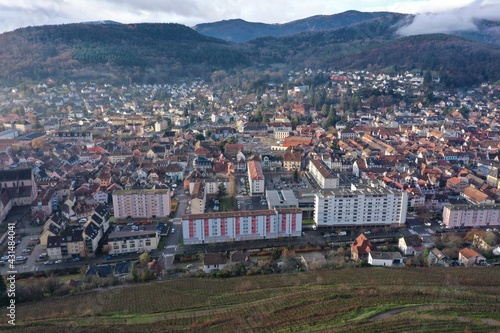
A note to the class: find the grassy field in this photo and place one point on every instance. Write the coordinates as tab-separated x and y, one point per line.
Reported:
348	300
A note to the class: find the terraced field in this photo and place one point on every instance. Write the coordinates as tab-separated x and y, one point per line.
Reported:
359	300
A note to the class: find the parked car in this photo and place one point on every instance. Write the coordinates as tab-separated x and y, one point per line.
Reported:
108	257
58	261
48	262
173	230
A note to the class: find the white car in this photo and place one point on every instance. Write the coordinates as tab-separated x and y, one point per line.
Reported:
173	230
59	261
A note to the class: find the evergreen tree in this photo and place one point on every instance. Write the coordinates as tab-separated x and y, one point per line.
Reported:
221	191
324	110
427	79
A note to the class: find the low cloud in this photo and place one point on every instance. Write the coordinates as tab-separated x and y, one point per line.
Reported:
460	19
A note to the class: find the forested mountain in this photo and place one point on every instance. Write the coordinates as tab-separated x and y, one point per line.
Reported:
165	52
460	62
133	52
241	31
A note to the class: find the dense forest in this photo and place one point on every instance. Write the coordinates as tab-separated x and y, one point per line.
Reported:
148	53
242	31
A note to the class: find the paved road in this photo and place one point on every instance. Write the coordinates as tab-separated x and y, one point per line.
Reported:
173	239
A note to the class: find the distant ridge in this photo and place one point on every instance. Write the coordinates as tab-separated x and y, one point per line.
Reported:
101	22
163	52
238	30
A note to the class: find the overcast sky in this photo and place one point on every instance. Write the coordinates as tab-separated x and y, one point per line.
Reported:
456	14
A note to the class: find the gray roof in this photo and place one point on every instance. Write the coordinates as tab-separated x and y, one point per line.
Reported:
385	255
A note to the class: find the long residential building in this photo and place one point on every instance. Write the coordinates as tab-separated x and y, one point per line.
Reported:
360	206
241	225
127	239
471	215
323	175
143	203
256	179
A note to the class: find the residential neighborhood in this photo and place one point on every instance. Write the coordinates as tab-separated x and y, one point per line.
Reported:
174	169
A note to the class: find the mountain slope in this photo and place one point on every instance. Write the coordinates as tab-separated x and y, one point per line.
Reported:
120	51
487	31
148	53
241	31
322	48
374	45
460	62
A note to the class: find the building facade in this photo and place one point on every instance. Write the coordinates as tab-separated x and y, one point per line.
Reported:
256	178
241	225
128	239
360	206
323	175
17	188
142	203
292	160
471	215
387	259
46	202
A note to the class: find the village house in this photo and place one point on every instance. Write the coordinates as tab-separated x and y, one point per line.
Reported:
214	262
361	247
469	257
386	259
410	245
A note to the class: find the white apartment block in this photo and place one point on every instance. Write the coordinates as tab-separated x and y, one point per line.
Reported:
127	239
241	225
255	178
322	174
471	215
362	206
212	184
142	203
